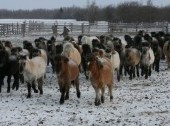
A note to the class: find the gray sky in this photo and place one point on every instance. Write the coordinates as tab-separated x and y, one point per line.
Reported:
51	4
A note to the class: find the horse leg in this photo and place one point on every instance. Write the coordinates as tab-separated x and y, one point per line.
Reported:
157	66
40	84
97	99
63	90
110	87
142	70
102	94
118	75
34	87
149	70
8	81
21	77
67	91
137	70
29	90
48	60
146	72
134	74
154	65
16	81
130	72
126	70
1	82
77	87
53	65
120	70
85	69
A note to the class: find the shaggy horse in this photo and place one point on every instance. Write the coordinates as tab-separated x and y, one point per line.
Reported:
33	70
70	51
147	59
132	59
67	71
100	74
115	60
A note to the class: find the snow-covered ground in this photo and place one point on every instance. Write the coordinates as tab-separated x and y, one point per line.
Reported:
138	102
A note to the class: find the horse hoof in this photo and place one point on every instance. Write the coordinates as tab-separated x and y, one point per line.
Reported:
118	79
41	93
17	87
8	91
111	98
78	94
28	96
13	87
102	99
35	91
97	103
61	102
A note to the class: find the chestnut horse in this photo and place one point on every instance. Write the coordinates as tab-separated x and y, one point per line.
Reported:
67	71
100	74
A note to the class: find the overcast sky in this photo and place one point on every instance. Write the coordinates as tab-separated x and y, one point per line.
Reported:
51	4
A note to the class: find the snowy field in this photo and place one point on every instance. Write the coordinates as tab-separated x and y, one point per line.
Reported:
138	102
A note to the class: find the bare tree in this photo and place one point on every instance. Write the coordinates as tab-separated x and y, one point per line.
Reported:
92	13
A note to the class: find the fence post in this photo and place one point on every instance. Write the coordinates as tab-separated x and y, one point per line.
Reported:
3	29
23	28
82	28
17	28
136	27
7	29
13	29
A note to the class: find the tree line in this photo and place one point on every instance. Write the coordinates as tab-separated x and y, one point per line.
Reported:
128	12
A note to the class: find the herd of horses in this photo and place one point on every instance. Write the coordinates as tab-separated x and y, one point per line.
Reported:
98	57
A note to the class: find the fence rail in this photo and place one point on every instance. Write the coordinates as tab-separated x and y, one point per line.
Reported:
34	28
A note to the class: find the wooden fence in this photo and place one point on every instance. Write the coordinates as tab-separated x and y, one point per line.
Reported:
34	28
